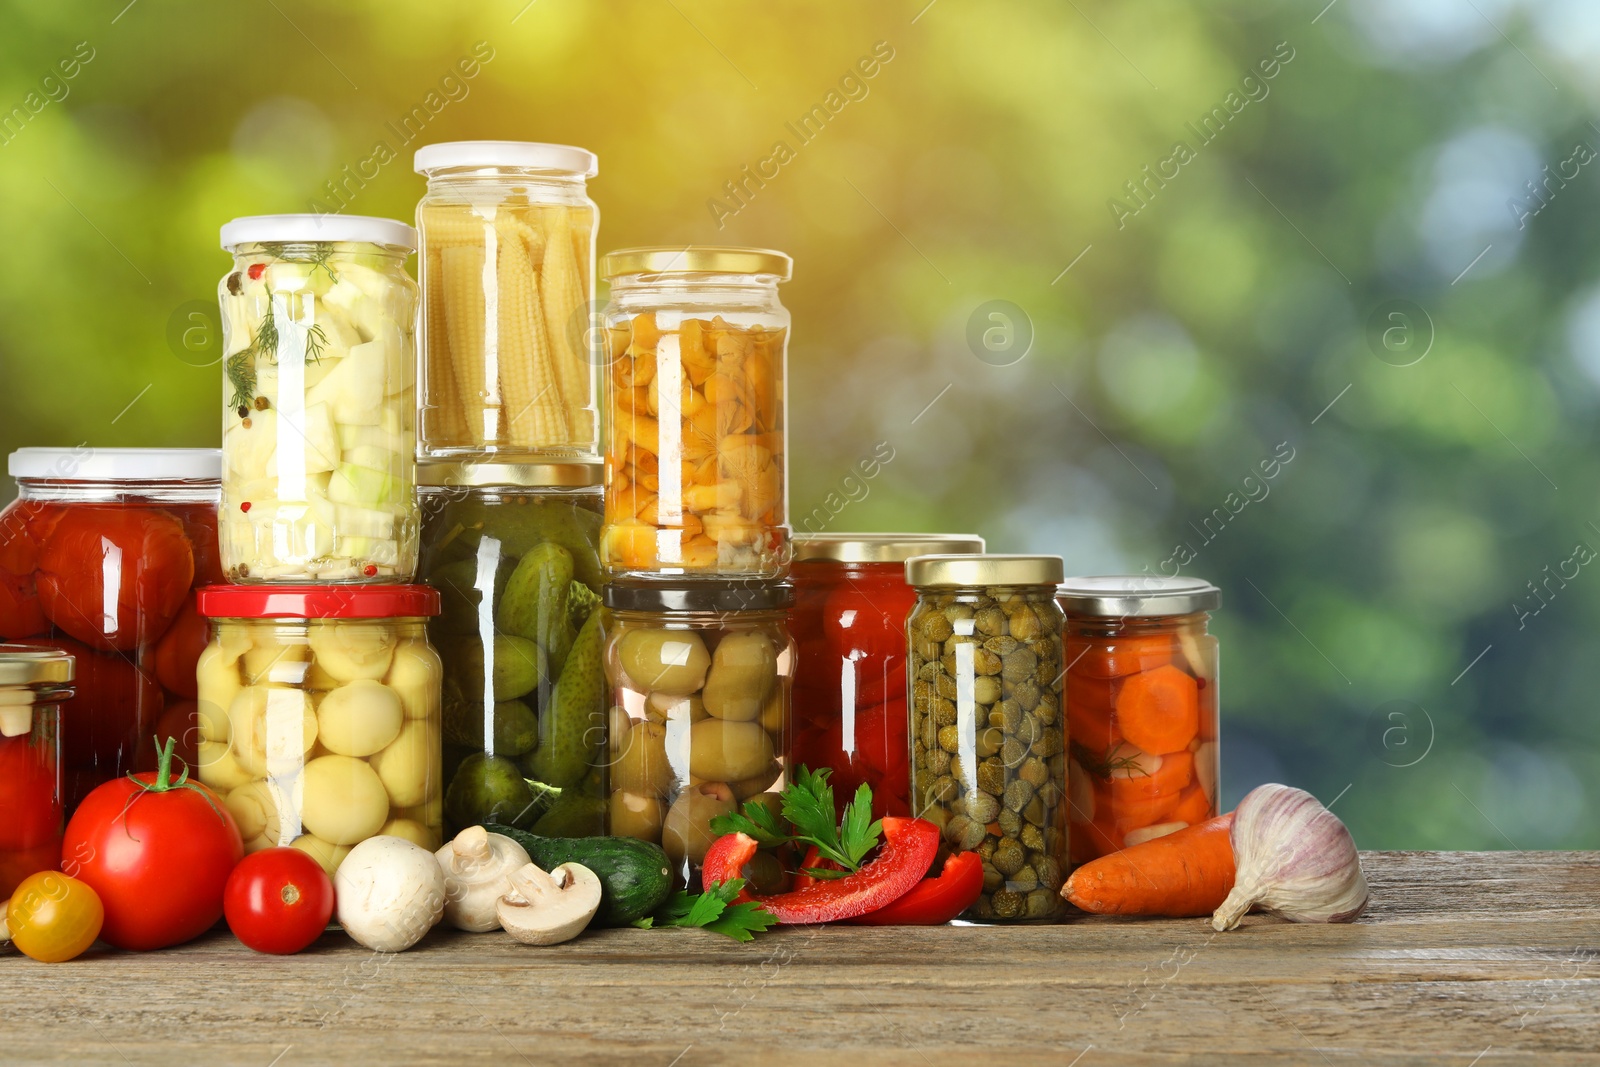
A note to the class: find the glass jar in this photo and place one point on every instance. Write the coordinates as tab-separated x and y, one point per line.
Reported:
699	719
849	625
99	555
507	267
319	715
696	457
988	749
318	400
1141	706
514	551
33	682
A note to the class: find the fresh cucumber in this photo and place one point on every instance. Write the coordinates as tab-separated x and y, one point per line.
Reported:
635	877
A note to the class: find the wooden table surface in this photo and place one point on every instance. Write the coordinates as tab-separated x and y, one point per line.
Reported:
1462	958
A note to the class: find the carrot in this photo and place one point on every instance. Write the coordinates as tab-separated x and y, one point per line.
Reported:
1193	806
1090	703
1135	813
1115	657
1182	874
1175	772
1159	710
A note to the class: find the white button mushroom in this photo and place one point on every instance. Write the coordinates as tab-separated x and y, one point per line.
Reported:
414	674
344	801
477	869
350	650
359	718
547	909
272	728
390	893
409	768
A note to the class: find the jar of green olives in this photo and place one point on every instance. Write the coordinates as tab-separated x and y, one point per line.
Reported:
700	695
513	550
988	741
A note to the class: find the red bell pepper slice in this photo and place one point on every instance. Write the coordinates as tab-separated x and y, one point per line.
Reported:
937	900
907	850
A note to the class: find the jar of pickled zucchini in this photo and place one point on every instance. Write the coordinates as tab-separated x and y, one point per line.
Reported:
513	550
100	555
988	744
507	268
318	400
700	695
849	625
33	682
1141	706
696	454
319	715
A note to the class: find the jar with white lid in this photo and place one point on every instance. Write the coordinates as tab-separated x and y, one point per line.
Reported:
696	456
33	682
100	555
507	269
319	715
319	400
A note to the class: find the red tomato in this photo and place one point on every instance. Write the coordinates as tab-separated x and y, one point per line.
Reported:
112	719
15	866
179	650
30	805
158	854
278	900
200	524
19	551
139	556
868	622
180	721
20	613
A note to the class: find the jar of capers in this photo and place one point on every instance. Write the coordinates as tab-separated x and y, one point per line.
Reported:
988	741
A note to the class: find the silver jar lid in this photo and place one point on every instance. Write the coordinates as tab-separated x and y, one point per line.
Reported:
30	665
484	473
880	547
1137	595
975	571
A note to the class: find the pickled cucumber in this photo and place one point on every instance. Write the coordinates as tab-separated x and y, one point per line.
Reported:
574	815
534	604
518	668
486	789
460	598
516	728
519	529
572	728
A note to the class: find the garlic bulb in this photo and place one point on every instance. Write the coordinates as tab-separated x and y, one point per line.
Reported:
1294	858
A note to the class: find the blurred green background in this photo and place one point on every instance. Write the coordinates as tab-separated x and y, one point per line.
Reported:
1397	223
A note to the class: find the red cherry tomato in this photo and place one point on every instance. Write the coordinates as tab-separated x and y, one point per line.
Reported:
870	624
30	806
115	577
158	852
20	613
278	900
179	650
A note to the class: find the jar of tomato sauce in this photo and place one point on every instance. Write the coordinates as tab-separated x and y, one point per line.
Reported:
99	557
319	715
33	682
849	618
1141	704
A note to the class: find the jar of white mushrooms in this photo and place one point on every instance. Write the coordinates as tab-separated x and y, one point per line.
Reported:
319	715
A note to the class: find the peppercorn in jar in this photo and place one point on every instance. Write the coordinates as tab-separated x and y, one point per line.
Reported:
988	740
1141	704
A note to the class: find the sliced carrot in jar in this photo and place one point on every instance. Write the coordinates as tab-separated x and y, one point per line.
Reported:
1170	778
1159	710
1193	806
1117	657
1090	707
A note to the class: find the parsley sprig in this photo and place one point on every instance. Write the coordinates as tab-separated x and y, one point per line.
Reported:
807	804
713	910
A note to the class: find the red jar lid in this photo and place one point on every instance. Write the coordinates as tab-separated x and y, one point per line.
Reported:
318	601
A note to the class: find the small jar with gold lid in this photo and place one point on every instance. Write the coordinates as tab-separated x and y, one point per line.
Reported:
988	741
696	450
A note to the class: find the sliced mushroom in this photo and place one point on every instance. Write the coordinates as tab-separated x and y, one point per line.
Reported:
547	909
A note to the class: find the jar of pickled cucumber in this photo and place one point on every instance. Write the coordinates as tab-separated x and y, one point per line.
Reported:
988	741
33	682
513	550
319	715
696	456
318	400
1141	707
700	703
507	268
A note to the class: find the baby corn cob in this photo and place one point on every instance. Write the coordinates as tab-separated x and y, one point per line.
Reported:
562	294
445	422
464	322
535	416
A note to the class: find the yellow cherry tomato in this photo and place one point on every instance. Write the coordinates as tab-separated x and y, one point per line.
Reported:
52	917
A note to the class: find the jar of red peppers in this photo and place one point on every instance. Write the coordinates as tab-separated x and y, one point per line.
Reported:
699	721
1141	700
849	617
33	682
99	557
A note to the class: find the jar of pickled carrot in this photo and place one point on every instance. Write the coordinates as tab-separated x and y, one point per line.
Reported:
1141	704
849	623
506	262
696	455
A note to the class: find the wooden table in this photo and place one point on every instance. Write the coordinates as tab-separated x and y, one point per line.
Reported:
1463	958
